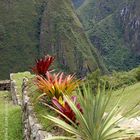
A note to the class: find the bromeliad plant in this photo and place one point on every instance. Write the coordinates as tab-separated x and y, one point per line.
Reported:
65	109
42	65
94	122
55	85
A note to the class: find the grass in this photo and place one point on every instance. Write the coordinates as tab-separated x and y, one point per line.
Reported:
14	128
10	119
41	110
131	95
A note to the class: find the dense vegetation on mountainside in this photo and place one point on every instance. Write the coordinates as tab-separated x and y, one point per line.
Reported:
19	32
62	35
29	29
113	26
116	80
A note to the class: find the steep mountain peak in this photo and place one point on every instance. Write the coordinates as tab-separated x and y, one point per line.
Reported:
62	35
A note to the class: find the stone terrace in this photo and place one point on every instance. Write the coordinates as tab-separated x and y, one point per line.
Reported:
5	85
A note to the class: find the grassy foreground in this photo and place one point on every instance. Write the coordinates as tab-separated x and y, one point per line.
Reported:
10	119
131	96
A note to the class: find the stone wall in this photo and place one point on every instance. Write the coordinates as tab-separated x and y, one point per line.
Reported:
13	90
4	85
14	93
31	128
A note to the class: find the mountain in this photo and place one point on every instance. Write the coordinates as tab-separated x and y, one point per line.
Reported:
30	29
62	35
129	19
19	21
113	26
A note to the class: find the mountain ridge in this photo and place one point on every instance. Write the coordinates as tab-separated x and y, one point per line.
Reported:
113	37
64	36
26	36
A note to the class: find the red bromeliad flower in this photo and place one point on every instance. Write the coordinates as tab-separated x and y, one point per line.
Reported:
55	85
65	109
42	65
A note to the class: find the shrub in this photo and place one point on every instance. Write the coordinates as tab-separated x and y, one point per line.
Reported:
64	108
94	122
116	79
55	85
42	65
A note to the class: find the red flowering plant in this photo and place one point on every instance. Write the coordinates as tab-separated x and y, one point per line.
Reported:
62	106
42	65
55	85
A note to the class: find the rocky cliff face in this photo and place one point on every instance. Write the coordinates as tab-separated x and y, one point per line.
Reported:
93	11
129	15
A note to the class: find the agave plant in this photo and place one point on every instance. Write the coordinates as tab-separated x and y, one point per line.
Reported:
65	109
95	123
42	65
54	85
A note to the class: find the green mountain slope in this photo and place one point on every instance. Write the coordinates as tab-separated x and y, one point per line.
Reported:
30	29
113	27
62	35
18	35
